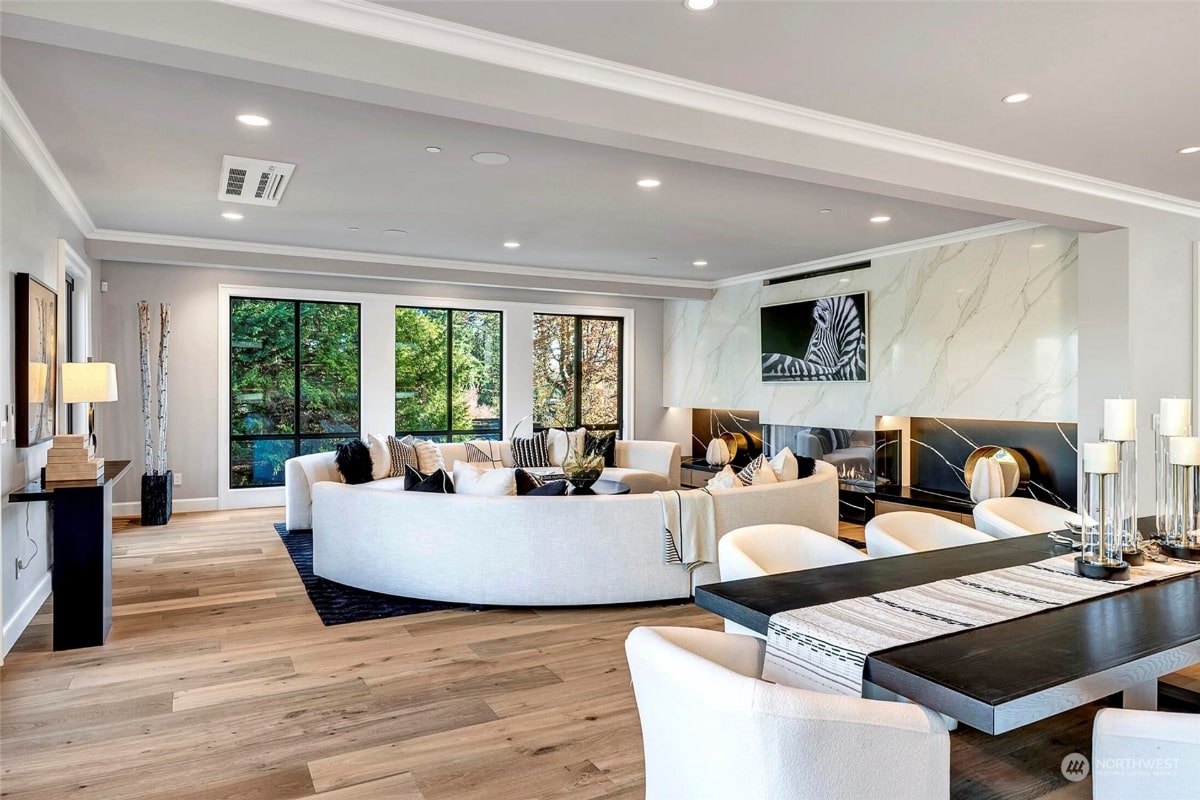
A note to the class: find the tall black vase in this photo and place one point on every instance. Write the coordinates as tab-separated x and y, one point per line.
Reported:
156	498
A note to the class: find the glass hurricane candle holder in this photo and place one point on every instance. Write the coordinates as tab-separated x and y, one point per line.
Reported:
1174	419
1182	539
1101	555
1120	428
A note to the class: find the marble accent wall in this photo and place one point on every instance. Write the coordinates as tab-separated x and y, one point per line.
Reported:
985	328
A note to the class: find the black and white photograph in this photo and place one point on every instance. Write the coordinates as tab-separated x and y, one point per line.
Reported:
824	339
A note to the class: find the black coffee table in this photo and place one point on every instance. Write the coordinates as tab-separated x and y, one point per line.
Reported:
601	487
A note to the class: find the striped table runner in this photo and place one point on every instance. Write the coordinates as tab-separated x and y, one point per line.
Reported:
824	648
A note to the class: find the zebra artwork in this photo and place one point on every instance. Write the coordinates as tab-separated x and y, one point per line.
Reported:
831	332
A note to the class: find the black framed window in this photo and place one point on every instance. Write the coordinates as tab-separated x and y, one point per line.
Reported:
578	371
294	383
449	373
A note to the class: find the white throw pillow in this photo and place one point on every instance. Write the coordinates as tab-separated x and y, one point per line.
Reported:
470	479
381	459
576	440
764	474
557	444
429	457
786	467
725	479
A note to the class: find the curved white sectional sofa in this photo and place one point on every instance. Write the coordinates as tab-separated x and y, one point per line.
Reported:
542	551
645	466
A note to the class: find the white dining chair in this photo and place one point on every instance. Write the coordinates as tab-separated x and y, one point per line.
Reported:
1005	517
758	550
1145	754
902	532
712	729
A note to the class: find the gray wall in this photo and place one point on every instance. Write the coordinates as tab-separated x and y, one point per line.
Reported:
31	224
193	293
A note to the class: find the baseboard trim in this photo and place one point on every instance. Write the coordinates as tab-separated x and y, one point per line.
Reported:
134	509
25	613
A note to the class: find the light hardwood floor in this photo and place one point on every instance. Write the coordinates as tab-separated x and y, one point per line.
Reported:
219	681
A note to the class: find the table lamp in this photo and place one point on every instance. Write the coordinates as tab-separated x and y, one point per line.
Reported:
89	382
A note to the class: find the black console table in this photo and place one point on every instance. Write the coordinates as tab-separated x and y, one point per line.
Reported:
82	571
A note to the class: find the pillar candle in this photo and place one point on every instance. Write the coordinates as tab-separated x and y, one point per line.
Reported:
1175	417
1185	450
1120	420
1100	458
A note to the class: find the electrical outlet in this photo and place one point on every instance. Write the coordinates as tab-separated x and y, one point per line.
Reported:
178	478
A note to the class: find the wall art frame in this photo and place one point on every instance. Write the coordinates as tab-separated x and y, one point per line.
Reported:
818	340
36	355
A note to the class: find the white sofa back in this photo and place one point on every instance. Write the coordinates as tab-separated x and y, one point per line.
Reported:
302	473
534	550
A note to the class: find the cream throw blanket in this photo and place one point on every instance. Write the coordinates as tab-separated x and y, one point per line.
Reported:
689	528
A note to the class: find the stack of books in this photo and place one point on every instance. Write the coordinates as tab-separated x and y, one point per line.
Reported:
72	459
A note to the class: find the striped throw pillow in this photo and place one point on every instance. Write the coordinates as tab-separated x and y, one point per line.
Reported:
746	473
482	451
404	454
531	451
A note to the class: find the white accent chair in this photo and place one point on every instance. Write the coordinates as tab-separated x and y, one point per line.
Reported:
713	729
1006	517
758	550
1145	754
902	532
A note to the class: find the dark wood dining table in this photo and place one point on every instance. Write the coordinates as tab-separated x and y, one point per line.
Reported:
999	677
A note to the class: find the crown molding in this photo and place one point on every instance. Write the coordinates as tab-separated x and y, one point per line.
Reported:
228	253
941	240
30	145
402	27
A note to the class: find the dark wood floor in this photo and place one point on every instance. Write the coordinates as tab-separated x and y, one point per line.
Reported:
219	681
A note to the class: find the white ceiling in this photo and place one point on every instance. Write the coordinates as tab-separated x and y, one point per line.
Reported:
141	144
1115	84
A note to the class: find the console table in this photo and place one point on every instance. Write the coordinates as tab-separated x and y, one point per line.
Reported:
82	547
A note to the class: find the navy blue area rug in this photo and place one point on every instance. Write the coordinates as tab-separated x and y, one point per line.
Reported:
337	604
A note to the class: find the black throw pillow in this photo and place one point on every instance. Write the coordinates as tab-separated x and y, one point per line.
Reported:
437	482
353	460
603	443
526	481
550	489
805	466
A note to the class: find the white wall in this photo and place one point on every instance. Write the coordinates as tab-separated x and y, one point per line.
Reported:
31	225
985	328
194	295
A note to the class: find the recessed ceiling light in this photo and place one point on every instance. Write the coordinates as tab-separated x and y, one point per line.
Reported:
1187	151
233	215
395	232
843	280
1036	246
1016	97
654	258
699	263
512	245
649	183
432	149
491	159
699	5
881	218
352	228
253	120
825	211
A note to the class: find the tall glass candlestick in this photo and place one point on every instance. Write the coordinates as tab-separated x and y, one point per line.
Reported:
1183	523
1101	556
1120	427
1174	419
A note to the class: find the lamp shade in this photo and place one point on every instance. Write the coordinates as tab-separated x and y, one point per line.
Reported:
89	382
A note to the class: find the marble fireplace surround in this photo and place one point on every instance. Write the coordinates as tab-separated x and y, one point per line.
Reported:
984	329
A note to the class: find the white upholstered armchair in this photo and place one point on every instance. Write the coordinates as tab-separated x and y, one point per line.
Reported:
1145	754
903	532
713	729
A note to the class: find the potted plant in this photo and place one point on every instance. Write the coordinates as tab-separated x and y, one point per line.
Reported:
157	479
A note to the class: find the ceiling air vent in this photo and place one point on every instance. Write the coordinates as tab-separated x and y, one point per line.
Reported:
248	180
